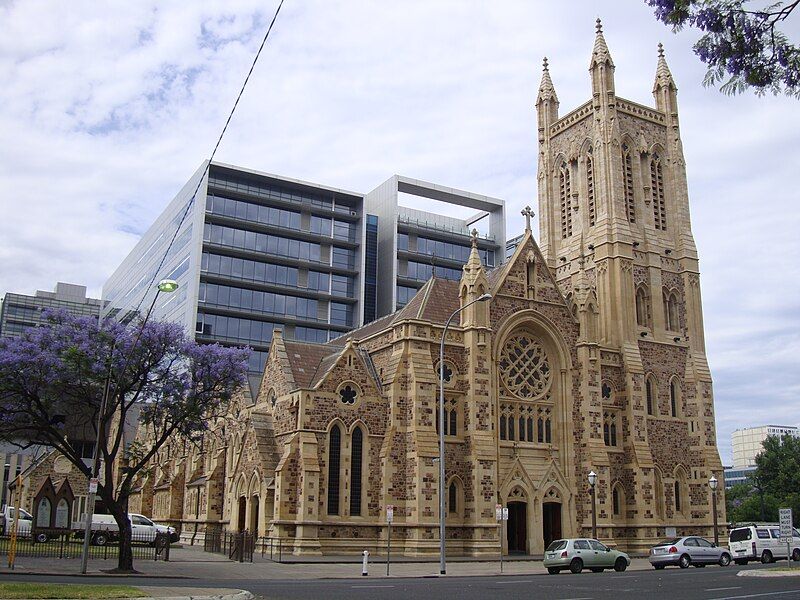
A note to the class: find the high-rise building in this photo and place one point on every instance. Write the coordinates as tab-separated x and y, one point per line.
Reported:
257	252
19	312
748	442
414	245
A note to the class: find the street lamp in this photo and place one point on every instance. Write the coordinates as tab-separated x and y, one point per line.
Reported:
166	286
592	483
712	483
442	565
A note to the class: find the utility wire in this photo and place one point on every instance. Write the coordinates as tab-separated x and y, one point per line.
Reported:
210	159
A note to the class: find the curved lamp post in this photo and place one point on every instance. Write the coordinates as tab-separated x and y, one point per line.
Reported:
442	565
166	286
712	483
592	482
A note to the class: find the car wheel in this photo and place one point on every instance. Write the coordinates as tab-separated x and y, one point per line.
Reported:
658	567
741	562
766	557
100	539
796	555
724	560
597	569
576	566
553	570
620	565
684	561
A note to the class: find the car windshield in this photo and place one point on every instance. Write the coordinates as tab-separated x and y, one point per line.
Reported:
669	542
557	545
23	514
740	535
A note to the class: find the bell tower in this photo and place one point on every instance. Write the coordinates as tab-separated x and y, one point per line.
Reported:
615	229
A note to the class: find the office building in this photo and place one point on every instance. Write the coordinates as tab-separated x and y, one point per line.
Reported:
257	252
19	312
734	475
414	245
748	442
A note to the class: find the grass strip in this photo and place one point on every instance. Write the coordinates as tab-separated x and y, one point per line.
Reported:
60	591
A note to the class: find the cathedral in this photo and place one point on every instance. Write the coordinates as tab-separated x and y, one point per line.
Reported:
588	355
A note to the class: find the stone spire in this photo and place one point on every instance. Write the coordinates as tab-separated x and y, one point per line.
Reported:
547	90
600	52
601	67
473	264
664	88
473	285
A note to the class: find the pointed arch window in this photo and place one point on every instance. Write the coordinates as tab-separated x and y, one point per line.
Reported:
565	190
450	416
671	317
650	395
617	500
356	470
610	428
657	191
659	494
642	307
627	184
452	498
334	464
678	499
590	188
674	398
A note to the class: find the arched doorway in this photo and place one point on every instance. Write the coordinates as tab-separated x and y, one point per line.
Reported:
517	528
551	522
242	521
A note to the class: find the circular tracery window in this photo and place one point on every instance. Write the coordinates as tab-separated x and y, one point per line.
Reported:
524	368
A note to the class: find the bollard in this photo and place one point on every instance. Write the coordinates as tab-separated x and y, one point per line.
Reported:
365	563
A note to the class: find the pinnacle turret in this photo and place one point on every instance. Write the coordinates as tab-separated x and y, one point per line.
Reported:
547	90
663	74
664	88
600	52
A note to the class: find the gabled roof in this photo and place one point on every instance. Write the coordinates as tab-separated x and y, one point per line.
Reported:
304	359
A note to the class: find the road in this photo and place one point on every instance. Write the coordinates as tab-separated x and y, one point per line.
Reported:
711	583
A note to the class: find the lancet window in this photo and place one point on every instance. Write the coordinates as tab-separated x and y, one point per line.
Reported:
657	191
565	190
590	188
627	184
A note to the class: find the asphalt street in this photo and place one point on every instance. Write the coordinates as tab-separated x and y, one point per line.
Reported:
711	583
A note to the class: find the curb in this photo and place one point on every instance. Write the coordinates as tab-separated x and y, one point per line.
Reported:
239	595
768	573
89	575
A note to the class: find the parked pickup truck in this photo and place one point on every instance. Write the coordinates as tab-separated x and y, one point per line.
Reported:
143	530
24	525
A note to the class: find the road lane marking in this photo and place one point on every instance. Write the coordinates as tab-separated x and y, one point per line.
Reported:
512	581
736	587
364	587
757	595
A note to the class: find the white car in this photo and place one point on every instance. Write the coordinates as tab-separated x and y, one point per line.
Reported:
24	524
762	541
143	530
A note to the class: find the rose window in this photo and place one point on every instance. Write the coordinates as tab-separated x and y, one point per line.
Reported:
524	368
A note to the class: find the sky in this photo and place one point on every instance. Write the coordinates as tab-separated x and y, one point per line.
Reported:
108	108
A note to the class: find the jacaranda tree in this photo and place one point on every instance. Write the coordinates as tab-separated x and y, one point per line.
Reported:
741	43
53	379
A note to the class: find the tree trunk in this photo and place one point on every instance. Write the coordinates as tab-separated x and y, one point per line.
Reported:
125	561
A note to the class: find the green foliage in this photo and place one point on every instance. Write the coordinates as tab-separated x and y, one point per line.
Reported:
775	483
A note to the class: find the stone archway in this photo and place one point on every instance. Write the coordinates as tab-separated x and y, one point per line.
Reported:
552	517
241	521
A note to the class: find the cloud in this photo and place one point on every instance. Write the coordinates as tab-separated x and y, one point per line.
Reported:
109	108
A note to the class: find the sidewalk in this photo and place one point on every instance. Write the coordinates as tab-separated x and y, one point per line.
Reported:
193	563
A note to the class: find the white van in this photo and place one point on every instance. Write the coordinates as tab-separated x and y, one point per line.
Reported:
761	541
143	530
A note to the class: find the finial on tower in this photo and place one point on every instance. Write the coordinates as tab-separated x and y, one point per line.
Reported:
598	26
527	213
474	234
544	64
660	50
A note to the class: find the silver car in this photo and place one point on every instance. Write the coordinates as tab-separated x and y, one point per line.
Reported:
580	554
689	550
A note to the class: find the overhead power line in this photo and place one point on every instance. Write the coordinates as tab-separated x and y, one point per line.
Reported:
151	285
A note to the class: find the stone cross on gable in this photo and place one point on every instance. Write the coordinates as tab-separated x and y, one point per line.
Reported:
474	238
527	213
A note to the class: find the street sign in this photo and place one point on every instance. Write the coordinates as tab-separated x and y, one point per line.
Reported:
785	518
498	512
93	485
671	532
505	514
389	513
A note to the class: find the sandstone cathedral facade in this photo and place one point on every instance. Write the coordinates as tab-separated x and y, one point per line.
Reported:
590	356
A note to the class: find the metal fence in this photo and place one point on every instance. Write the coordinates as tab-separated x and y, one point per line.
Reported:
49	543
238	546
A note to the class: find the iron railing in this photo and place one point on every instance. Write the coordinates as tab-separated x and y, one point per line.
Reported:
59	543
